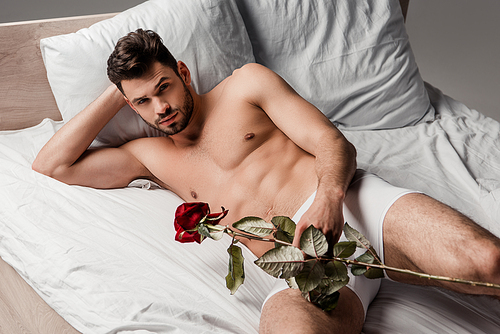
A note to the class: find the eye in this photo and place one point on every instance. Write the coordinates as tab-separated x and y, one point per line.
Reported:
163	87
142	101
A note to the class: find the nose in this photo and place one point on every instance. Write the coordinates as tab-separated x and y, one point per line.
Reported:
161	107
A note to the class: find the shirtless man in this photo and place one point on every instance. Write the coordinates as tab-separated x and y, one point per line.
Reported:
255	147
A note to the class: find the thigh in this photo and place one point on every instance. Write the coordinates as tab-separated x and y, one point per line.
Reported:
424	235
288	312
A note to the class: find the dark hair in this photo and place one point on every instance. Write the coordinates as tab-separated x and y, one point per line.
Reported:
135	53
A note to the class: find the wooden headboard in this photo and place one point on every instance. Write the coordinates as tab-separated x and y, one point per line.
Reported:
25	95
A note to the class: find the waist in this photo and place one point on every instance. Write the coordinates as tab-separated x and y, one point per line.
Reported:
303	208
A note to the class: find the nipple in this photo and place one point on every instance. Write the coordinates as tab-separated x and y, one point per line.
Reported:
249	136
194	194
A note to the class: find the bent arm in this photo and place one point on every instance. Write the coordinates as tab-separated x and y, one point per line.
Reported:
309	129
66	158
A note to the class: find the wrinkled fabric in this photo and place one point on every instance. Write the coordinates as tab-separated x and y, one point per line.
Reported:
107	261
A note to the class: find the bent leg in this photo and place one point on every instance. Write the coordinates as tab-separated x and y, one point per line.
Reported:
288	312
424	235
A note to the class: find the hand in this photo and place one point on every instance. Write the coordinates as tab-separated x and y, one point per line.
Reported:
325	215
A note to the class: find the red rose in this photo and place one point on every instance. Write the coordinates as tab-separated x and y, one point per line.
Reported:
187	218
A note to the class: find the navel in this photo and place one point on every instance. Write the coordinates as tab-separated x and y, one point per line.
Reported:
194	194
249	135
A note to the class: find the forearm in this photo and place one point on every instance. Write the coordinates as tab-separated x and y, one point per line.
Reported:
73	139
335	167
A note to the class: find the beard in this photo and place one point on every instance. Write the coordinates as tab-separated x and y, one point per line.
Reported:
184	114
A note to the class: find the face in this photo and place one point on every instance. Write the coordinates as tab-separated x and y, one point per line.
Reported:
161	98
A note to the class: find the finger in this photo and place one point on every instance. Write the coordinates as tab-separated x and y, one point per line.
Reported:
296	239
299	229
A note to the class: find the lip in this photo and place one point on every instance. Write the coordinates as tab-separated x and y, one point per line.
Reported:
168	120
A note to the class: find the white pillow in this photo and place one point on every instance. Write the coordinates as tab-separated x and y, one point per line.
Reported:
351	59
208	35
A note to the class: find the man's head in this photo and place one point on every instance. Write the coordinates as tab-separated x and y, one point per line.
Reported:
152	81
135	53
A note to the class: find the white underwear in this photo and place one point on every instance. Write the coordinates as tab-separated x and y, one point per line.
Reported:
367	201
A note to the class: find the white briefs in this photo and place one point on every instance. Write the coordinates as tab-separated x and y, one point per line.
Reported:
367	201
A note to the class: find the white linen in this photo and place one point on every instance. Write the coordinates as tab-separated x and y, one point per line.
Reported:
351	59
106	260
455	159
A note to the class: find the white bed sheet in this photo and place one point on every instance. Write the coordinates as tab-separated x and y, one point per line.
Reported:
106	260
455	159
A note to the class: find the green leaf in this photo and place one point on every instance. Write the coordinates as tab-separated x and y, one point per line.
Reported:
285	229
310	276
325	302
236	272
357	269
371	256
366	257
328	286
285	223
374	273
282	262
254	225
313	242
336	270
344	249
329	303
336	278
203	231
206	232
355	236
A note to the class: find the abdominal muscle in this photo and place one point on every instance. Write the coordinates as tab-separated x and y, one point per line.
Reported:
265	177
274	180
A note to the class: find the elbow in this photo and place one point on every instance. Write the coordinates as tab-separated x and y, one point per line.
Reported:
40	167
43	167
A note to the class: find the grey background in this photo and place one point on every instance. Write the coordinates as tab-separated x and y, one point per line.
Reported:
456	42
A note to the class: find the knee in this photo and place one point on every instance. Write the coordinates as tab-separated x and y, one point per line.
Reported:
489	264
288	312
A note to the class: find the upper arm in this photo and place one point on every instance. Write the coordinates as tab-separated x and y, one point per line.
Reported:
298	119
103	168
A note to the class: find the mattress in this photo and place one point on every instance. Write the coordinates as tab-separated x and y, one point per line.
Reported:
107	262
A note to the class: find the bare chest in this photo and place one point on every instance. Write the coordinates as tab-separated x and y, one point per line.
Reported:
241	161
233	150
232	134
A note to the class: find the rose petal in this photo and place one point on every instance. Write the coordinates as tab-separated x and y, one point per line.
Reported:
189	215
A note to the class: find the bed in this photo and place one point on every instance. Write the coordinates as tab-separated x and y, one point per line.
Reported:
75	259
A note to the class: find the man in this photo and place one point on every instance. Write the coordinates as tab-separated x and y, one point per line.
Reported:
255	147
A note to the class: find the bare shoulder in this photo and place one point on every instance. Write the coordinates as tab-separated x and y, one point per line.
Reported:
251	68
256	82
252	73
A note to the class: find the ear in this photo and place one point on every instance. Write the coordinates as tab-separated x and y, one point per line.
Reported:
130	104
184	72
